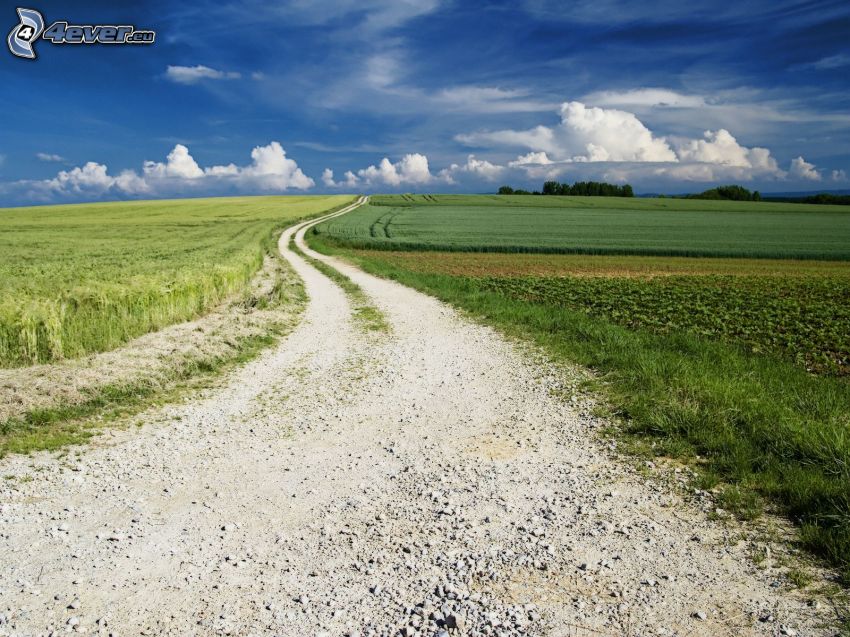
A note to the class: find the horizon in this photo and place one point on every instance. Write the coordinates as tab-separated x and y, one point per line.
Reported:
438	96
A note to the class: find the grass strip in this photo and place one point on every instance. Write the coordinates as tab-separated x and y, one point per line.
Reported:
366	314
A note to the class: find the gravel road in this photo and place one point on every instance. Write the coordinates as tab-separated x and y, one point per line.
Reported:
431	481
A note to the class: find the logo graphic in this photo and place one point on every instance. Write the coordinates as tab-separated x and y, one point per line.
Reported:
22	37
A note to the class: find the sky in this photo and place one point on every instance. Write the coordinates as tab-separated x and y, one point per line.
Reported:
264	97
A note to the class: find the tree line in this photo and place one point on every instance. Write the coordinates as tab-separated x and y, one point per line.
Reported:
579	188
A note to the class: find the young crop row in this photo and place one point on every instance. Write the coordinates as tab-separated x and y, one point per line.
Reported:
804	319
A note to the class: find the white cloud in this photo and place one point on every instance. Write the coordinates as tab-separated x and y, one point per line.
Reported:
529	159
350	180
585	134
645	97
328	178
273	170
487	99
90	177
270	170
477	167
194	74
720	147
179	164
839	175
411	169
831	62
618	139
49	157
801	169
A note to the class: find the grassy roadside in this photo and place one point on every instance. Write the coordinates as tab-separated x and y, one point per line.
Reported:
60	425
365	313
56	427
759	427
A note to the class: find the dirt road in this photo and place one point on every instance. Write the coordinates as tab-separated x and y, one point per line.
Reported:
431	479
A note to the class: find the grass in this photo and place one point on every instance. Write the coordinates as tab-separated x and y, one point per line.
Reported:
85	278
762	426
596	225
366	313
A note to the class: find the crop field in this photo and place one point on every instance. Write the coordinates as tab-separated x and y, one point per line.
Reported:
83	278
798	310
597	225
738	365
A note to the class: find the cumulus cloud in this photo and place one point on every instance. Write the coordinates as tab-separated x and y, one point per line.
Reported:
720	147
328	178
627	147
839	175
410	169
801	169
585	134
270	171
195	74
473	166
49	157
179	163
531	159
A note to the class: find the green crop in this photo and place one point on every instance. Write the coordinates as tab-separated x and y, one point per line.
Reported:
805	318
84	278
596	225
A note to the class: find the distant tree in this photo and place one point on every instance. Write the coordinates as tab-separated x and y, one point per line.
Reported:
731	193
506	190
551	188
826	198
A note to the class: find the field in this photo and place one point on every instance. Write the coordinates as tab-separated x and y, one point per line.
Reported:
598	225
737	365
86	278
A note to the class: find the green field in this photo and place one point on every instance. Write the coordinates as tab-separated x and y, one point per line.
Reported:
83	278
597	225
740	366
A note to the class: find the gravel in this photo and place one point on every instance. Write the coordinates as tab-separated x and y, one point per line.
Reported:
423	482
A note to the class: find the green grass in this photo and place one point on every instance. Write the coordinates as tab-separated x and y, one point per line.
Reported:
761	424
596	225
84	278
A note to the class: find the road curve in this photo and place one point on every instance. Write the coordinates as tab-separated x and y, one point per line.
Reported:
435	478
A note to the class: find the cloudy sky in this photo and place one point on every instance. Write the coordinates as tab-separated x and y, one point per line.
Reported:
429	95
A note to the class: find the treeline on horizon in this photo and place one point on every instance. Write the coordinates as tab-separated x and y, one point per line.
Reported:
579	188
739	193
732	192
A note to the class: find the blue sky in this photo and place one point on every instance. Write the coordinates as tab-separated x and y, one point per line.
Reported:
429	95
